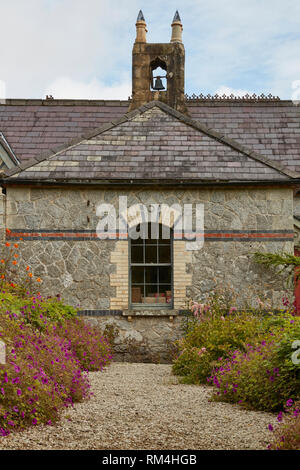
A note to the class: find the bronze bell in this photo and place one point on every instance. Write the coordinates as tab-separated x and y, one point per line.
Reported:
158	84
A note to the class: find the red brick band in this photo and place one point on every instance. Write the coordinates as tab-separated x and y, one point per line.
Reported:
82	235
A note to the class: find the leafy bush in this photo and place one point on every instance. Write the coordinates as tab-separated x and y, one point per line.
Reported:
34	309
92	350
41	375
263	377
10	272
206	342
48	354
287	434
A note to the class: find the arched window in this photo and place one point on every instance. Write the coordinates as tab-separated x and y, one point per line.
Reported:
151	270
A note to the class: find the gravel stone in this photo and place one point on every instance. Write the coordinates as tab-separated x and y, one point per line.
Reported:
142	406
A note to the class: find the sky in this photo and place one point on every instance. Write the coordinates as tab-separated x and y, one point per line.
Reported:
82	48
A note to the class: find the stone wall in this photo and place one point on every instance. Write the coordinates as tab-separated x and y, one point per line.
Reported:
58	228
142	339
297	206
84	270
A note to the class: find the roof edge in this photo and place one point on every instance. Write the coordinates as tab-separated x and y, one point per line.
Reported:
142	182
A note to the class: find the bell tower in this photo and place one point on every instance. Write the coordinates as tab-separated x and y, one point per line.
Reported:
147	84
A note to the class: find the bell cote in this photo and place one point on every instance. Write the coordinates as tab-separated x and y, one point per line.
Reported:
158	68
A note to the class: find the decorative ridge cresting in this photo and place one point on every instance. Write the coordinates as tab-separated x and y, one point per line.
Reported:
247	97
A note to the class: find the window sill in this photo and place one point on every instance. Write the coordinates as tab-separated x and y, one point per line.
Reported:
157	311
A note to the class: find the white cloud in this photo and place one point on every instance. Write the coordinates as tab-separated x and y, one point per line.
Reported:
226	90
296	92
67	88
249	44
2	92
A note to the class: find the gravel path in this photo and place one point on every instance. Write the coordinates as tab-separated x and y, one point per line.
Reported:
142	406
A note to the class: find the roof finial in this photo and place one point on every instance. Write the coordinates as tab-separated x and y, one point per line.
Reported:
140	16
176	17
141	28
176	28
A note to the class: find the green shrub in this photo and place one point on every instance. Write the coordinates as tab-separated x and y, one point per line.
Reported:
91	348
206	342
48	354
35	309
263	377
287	434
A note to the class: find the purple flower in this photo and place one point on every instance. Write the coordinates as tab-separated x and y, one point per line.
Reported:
279	417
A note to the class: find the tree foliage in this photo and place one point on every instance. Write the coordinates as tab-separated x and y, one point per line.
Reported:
285	262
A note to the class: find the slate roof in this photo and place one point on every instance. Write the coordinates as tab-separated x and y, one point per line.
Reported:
34	126
154	142
271	128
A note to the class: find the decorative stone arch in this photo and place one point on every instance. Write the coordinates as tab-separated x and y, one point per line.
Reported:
167	215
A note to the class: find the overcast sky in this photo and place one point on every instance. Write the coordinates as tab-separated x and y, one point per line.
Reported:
82	48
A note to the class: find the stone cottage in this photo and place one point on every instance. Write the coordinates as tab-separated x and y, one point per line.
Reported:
62	160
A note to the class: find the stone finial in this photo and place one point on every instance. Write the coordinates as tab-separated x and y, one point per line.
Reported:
140	16
176	17
176	28
141	28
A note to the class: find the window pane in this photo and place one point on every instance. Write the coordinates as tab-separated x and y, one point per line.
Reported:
164	254
137	292
165	294
151	275
164	275
151	254
133	232
153	232
137	254
137	273
151	293
164	233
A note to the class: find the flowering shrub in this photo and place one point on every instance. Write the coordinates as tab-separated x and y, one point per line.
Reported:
211	339
263	376
287	433
91	349
10	272
34	309
41	375
48	354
